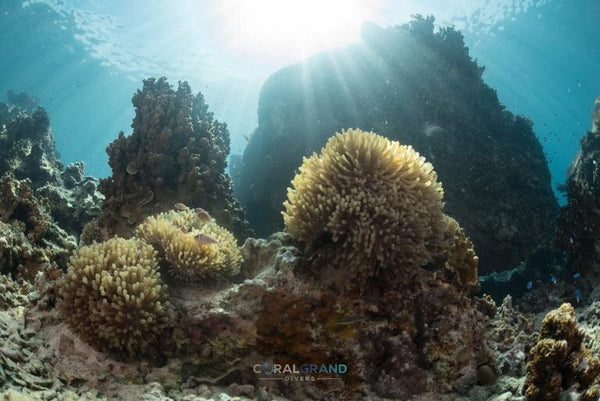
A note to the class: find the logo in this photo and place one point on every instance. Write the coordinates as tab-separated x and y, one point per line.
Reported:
306	372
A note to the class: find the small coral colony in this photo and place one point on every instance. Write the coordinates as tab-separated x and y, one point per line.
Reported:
370	279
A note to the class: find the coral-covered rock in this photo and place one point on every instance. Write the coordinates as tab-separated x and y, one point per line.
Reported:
579	222
428	336
559	360
176	154
420	87
27	151
511	335
29	238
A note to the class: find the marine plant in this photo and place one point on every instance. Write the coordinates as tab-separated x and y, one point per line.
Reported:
113	296
367	203
192	248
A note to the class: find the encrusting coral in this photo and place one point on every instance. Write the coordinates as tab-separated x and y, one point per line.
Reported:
192	248
113	296
460	254
559	360
367	203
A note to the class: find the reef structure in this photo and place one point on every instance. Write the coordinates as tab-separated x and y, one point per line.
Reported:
579	222
175	154
559	360
43	204
420	87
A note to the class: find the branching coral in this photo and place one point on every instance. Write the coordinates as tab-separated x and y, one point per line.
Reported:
192	248
367	202
559	360
113	296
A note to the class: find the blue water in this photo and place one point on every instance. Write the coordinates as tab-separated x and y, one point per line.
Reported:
84	60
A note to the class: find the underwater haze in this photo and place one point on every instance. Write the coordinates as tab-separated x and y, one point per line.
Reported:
280	200
82	60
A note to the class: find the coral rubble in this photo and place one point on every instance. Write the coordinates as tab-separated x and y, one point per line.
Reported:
420	87
176	153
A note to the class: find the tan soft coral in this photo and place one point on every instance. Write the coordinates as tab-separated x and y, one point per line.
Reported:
114	298
174	235
367	203
460	254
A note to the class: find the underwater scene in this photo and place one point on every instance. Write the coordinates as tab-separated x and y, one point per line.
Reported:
279	200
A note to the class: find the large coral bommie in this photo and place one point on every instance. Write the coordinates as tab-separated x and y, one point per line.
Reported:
367	203
190	247
113	296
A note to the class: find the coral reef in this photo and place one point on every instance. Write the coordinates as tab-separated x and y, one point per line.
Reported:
418	86
176	153
365	203
559	360
29	238
511	335
27	151
579	222
191	248
113	296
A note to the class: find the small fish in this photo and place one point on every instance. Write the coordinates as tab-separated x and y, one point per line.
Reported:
571	240
529	285
205	239
576	276
132	168
202	214
553	279
577	294
247	138
180	206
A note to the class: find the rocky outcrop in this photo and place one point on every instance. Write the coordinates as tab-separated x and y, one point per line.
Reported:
176	154
421	88
579	223
43	205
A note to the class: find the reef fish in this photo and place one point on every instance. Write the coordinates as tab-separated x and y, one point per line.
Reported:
203	238
576	276
180	206
553	279
202	214
529	285
577	295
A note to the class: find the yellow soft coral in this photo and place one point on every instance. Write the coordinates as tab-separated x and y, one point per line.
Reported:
113	296
178	238
367	203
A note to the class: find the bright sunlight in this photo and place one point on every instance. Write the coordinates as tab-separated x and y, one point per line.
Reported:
293	28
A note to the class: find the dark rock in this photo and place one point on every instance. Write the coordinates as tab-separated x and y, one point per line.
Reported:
579	223
421	88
